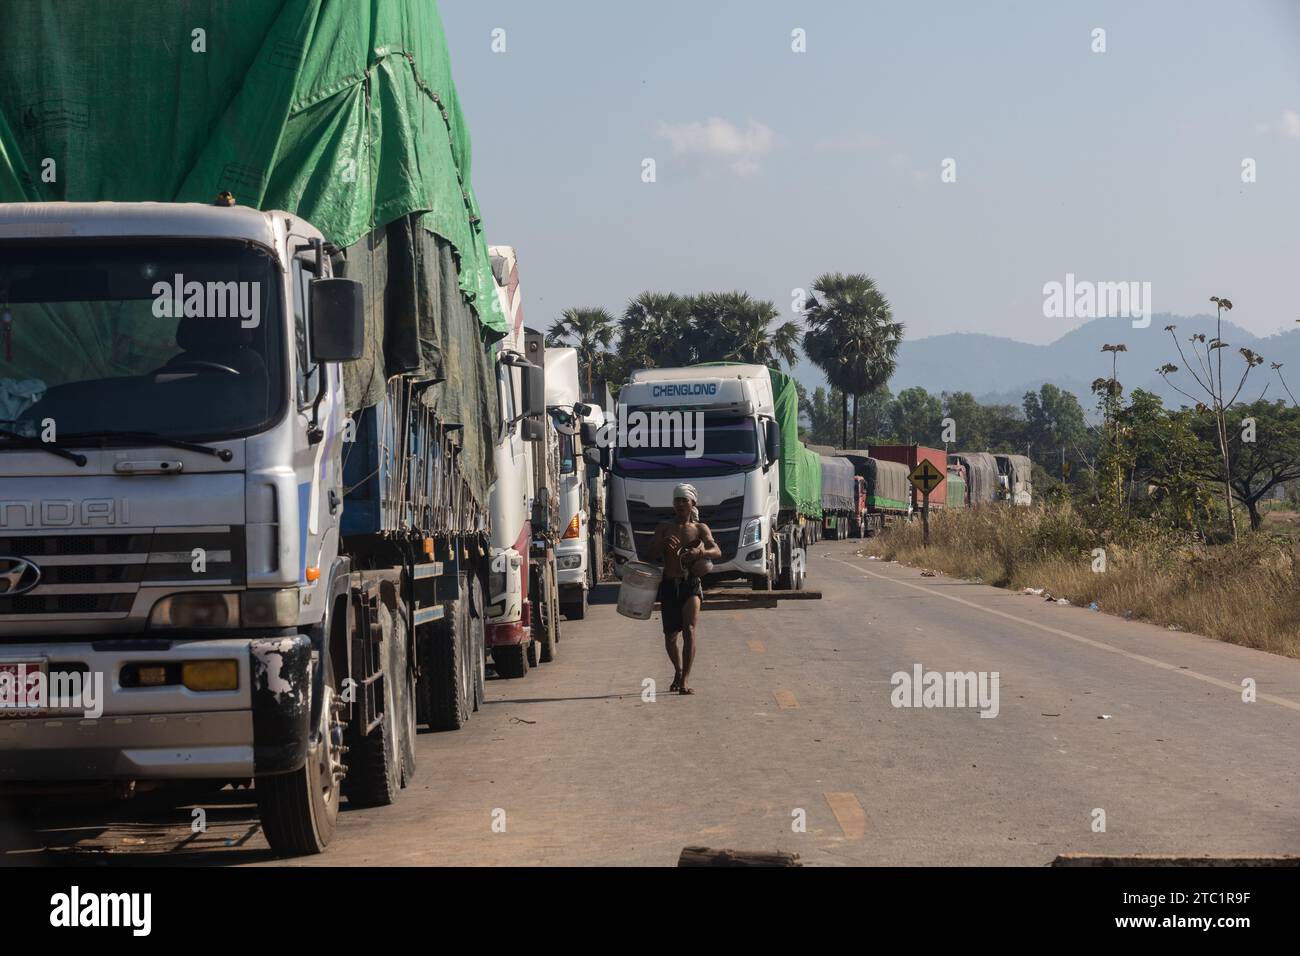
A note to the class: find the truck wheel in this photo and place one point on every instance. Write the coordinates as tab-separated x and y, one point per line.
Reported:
375	759
300	810
550	628
555	606
405	691
511	660
451	682
549	609
784	580
478	640
577	610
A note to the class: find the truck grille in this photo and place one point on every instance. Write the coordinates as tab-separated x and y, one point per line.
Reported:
723	519
99	574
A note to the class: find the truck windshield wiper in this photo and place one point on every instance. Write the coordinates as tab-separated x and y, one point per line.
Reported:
224	454
26	442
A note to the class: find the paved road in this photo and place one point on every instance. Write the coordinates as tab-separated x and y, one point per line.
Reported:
793	713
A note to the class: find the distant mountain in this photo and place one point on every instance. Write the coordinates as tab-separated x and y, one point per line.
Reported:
1000	370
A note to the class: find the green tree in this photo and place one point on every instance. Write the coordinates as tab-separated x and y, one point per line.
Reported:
732	327
591	332
1006	429
1053	419
655	332
1264	448
823	419
916	417
970	419
851	336
872	416
1212	383
1166	461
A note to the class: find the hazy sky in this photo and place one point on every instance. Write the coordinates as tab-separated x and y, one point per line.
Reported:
774	166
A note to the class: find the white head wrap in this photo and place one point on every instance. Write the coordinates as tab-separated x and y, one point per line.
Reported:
690	494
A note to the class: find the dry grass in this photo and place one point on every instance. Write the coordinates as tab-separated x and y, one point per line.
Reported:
1247	593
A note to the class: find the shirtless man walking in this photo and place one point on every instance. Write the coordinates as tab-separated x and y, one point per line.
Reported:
686	545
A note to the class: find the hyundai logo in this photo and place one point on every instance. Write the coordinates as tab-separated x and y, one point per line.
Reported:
17	575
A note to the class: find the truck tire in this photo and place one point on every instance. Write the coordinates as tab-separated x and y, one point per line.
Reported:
550	629
784	579
450	679
375	759
577	610
556	626
511	660
478	640
405	689
299	811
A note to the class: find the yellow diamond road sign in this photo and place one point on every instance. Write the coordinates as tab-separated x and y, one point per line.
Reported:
925	476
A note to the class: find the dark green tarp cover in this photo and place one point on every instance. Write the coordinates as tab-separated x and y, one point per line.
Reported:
801	469
408	271
341	111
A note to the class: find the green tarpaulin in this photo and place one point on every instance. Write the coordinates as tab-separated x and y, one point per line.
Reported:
342	111
801	469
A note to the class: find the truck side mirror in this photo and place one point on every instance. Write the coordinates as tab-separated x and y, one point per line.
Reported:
582	409
588	431
771	441
338	320
595	455
534	389
530	429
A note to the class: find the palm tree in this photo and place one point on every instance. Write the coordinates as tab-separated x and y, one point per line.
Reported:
655	331
852	337
590	331
732	327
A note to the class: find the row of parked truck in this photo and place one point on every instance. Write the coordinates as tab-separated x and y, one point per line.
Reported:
283	468
863	490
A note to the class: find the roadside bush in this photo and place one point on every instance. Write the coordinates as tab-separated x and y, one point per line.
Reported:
1246	592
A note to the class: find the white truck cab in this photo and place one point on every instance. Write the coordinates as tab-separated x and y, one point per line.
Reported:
572	553
711	426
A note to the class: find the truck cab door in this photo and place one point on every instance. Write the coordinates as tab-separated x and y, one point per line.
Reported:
320	432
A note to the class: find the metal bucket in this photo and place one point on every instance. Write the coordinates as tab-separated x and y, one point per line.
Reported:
640	588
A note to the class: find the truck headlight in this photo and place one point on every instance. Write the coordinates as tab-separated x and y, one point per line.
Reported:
752	533
269	607
623	537
197	609
568	562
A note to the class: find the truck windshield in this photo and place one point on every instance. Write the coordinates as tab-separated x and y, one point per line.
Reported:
179	338
729	443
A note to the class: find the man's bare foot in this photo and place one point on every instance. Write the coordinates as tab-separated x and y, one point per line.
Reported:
683	689
676	684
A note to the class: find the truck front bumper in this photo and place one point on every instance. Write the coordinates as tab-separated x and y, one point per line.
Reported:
502	635
165	732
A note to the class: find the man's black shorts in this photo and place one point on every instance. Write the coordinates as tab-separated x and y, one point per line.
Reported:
673	595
